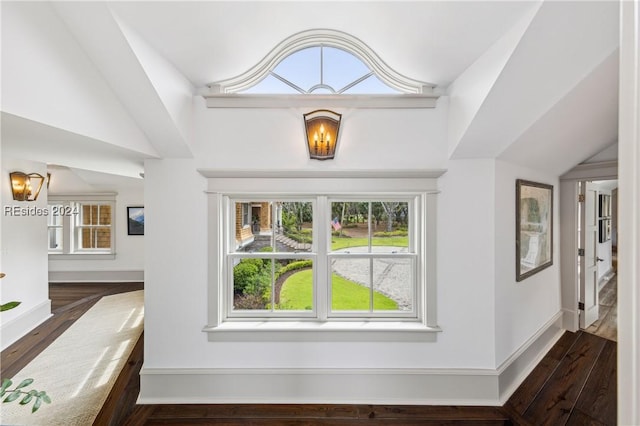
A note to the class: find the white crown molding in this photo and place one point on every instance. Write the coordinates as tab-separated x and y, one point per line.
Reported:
325	37
243	100
324	173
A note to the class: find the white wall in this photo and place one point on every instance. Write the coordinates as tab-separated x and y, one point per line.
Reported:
273	139
24	257
245	138
521	308
479	304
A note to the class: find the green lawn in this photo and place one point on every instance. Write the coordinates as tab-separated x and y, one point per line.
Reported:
296	294
341	243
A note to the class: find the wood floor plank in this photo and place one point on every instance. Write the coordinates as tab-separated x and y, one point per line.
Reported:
608	296
553	404
121	401
523	396
599	395
578	418
607	323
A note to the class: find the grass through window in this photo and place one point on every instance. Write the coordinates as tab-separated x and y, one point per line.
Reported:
297	294
341	243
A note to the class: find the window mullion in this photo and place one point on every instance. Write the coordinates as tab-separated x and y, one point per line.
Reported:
321	264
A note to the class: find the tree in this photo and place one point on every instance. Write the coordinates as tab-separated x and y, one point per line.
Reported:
390	209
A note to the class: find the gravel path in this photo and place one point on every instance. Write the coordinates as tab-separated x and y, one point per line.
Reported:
391	277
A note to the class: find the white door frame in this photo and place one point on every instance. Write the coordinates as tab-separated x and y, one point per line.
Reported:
606	170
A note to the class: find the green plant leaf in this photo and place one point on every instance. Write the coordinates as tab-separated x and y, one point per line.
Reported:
46	398
24	383
27	399
12	396
5	385
8	305
36	405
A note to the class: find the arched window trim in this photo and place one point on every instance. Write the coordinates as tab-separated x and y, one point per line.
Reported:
324	37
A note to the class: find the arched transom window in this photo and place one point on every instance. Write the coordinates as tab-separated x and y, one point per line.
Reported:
321	70
320	62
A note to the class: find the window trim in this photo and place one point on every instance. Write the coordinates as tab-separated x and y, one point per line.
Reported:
259	183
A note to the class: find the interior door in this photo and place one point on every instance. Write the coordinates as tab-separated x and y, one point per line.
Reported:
588	258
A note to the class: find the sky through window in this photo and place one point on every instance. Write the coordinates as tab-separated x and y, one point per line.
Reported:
321	70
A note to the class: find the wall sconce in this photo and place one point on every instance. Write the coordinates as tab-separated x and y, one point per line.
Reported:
26	187
322	133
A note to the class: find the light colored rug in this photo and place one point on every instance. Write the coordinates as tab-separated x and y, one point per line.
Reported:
79	368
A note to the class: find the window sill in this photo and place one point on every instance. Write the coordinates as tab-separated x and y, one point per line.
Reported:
82	256
313	331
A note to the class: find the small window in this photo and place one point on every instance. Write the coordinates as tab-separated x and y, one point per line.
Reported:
93	227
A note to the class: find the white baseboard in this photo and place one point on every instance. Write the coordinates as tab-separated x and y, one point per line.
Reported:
18	327
427	386
318	386
95	276
570	320
518	366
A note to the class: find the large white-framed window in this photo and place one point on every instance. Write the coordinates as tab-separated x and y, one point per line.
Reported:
81	225
335	255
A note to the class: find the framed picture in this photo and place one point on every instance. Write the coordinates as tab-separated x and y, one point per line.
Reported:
604	233
135	216
534	228
604	204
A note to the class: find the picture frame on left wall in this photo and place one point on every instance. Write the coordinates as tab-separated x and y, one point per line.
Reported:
534	228
135	220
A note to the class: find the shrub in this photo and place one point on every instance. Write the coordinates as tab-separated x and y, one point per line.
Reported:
298	264
249	301
301	237
258	262
397	233
260	285
244	273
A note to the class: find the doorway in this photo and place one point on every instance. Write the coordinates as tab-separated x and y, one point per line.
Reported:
603	176
605	324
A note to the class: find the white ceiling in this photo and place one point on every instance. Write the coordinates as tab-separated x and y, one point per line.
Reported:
432	41
531	75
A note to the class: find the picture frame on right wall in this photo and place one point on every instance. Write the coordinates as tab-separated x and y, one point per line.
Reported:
135	220
534	228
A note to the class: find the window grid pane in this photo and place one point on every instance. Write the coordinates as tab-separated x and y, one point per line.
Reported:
93	230
271	284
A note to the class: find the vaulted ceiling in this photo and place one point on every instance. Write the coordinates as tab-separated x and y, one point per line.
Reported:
104	85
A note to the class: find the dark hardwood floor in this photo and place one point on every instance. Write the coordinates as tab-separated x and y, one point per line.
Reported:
574	384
